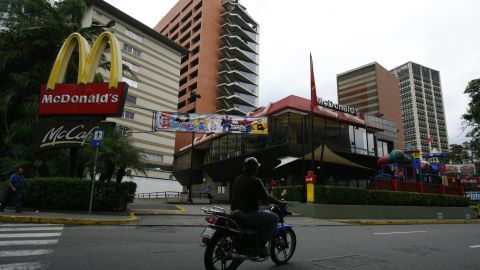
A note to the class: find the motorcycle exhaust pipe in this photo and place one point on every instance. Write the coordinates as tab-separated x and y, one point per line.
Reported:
238	256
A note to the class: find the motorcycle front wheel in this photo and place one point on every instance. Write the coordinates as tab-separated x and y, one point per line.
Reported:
218	253
282	250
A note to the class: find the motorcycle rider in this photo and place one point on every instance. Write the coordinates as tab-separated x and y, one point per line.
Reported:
247	193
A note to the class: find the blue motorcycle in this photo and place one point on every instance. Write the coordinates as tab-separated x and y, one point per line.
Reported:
229	240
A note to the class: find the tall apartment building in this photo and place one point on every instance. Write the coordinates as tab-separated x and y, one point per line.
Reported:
374	91
223	62
422	107
155	62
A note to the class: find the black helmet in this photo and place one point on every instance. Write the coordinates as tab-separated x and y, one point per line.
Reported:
250	166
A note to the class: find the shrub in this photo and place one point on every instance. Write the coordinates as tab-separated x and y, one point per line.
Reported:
74	194
354	196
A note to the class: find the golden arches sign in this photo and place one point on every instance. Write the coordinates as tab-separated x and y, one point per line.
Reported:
88	59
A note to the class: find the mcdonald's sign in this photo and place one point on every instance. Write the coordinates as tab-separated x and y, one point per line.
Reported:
84	98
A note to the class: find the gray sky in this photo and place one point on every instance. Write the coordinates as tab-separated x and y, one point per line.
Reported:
345	34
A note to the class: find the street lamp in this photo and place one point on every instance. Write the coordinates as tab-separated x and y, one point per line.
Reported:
193	98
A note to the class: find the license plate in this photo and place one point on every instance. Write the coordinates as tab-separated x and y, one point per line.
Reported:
208	233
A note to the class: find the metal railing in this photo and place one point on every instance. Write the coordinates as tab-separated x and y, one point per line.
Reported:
159	195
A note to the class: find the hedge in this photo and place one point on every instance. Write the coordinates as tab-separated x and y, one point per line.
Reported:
74	194
355	196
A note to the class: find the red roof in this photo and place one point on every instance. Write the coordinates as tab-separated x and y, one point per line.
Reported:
300	104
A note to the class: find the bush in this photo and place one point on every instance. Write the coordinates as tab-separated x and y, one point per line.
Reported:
355	196
74	194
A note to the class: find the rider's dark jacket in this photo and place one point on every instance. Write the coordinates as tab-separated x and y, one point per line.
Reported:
247	193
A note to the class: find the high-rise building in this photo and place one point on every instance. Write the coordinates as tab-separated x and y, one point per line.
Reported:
223	62
155	63
373	90
422	107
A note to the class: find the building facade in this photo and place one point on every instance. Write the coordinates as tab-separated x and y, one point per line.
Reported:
223	62
374	91
422	107
344	149
154	62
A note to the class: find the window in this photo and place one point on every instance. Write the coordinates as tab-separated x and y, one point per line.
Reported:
131	66
131	99
134	36
221	189
128	115
131	82
131	50
152	157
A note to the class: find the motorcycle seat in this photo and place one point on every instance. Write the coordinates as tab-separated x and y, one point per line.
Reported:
239	217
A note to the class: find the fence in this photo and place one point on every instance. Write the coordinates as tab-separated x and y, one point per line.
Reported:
169	194
420	187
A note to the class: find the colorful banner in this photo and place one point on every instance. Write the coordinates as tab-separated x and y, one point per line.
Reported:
210	123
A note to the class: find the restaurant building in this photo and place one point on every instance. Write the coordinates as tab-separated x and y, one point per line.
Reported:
344	149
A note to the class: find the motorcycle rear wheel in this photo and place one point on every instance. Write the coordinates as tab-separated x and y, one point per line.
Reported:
216	254
284	247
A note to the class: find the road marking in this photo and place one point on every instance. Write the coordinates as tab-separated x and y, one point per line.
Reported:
31	229
26	225
27	242
25	235
477	246
400	232
20	253
24	266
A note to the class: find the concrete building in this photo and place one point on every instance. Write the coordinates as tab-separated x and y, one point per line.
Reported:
422	107
223	62
155	62
374	91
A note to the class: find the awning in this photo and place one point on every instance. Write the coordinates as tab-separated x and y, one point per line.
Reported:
331	157
285	161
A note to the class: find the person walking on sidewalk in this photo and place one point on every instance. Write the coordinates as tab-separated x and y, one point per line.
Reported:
14	190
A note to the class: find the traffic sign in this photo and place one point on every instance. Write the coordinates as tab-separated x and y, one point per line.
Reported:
97	137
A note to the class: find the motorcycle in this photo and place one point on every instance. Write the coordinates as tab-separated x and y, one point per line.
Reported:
228	239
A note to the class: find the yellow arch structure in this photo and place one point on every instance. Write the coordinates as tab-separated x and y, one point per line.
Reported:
88	59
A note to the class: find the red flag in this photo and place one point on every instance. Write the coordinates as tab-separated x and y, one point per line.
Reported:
313	94
429	139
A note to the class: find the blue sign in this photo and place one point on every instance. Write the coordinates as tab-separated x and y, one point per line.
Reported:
97	137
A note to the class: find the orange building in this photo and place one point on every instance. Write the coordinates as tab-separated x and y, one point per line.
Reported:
374	91
222	65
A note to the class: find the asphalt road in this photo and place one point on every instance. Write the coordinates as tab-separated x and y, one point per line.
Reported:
322	247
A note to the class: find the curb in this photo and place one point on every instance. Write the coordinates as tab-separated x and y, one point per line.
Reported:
407	222
67	221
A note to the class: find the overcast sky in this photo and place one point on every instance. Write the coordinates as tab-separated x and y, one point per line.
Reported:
345	34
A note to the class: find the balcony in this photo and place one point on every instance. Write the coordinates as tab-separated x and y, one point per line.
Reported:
236	109
240	54
237	30
235	18
240	98
246	88
236	75
235	7
236	41
240	64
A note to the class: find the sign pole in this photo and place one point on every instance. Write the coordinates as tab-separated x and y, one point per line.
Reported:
93	182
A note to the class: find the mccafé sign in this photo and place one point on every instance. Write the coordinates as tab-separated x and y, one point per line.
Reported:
64	134
84	98
337	107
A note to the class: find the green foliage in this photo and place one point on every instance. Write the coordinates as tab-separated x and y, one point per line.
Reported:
354	196
74	194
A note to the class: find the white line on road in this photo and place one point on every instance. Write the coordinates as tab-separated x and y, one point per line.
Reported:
20	253
24	266
31	229
400	232
477	246
27	242
27	225
25	235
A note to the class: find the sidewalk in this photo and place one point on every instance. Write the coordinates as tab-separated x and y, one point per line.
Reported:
156	212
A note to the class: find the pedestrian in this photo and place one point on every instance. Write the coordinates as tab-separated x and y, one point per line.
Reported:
209	194
14	190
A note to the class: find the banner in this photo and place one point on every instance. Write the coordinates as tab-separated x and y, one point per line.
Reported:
69	134
210	123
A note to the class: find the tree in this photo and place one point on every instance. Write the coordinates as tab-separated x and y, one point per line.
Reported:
472	116
114	157
33	33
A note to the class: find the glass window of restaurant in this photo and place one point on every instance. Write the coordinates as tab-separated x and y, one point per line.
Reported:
360	140
332	133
